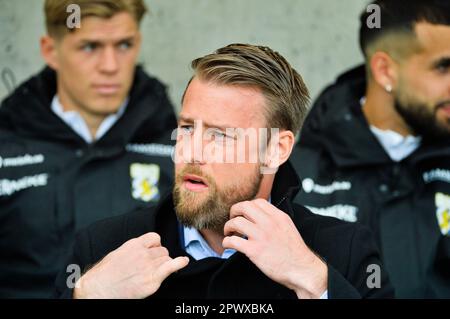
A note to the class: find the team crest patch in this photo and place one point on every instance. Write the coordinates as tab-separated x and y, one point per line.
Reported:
443	212
144	181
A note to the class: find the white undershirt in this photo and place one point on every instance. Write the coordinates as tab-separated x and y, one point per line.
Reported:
77	123
398	147
395	145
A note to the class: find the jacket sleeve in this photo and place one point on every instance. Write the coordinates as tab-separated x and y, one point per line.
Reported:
96	241
78	263
365	276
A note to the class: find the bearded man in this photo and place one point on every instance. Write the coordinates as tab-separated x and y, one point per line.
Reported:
230	230
375	148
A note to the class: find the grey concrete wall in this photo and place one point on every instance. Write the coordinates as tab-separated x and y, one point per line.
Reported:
318	37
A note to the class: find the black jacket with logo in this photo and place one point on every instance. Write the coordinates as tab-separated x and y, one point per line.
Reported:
347	174
52	183
348	249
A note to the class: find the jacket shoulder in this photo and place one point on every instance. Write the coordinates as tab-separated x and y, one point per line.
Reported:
98	240
324	222
104	236
349	248
327	234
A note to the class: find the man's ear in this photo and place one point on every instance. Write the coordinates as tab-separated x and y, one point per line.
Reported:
49	51
384	70
279	149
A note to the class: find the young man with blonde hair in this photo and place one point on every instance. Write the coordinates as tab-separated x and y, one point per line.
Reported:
86	138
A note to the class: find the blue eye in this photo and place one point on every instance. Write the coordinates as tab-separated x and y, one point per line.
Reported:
442	66
219	134
89	47
125	46
443	69
186	129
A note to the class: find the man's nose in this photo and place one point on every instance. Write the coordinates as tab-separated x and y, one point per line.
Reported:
196	155
108	61
189	147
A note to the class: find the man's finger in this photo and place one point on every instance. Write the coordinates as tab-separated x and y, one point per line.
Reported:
249	210
237	243
266	207
156	252
150	240
172	266
240	225
158	262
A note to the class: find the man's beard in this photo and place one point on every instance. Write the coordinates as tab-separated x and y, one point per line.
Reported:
211	211
422	120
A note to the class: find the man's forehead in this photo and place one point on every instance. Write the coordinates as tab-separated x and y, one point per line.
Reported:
121	25
223	121
433	38
223	105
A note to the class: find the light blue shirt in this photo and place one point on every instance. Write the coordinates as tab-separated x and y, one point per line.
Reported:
196	246
76	122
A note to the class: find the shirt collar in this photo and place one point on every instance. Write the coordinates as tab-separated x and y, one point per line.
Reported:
197	247
75	121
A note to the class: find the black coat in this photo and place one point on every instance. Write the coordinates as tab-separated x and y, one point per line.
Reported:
347	174
347	248
52	183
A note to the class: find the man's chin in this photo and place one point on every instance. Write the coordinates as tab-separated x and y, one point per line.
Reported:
443	120
194	195
440	129
193	205
106	105
190	188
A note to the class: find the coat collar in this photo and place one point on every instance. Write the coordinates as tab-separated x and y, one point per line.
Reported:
237	277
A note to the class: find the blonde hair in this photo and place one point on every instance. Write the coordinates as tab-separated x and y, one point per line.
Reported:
56	12
265	69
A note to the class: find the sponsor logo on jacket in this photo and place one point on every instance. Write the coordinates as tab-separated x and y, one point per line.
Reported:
309	186
442	202
21	160
437	174
9	187
347	213
151	149
144	181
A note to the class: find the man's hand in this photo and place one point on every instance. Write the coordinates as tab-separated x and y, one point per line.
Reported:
134	270
275	246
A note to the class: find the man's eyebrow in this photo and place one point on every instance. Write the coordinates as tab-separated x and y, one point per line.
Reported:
99	41
94	41
206	124
185	119
442	62
126	39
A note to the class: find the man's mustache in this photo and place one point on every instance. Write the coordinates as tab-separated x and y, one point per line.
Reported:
442	105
